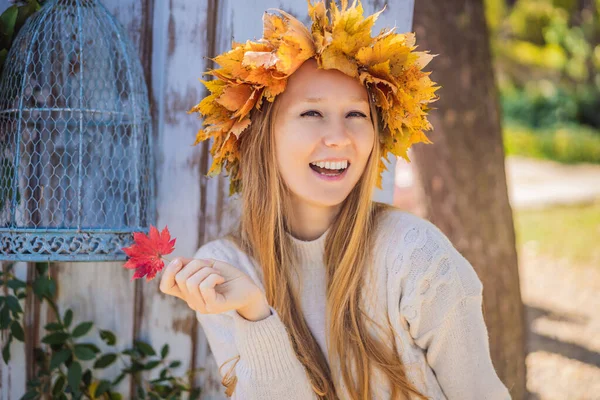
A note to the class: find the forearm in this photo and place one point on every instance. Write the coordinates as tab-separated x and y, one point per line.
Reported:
458	352
268	367
259	354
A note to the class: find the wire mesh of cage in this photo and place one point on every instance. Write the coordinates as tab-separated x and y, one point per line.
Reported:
75	138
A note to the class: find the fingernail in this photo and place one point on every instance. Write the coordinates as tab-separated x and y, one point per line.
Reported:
174	263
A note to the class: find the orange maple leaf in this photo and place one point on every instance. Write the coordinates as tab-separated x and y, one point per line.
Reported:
146	251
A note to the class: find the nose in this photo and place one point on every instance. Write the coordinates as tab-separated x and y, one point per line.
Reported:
336	135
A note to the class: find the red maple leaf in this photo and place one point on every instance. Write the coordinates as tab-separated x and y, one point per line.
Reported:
146	251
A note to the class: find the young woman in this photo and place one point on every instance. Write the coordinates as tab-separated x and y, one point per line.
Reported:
322	292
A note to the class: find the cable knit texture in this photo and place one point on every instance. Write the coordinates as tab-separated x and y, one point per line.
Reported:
417	279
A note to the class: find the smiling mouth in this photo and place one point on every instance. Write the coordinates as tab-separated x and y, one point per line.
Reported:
328	171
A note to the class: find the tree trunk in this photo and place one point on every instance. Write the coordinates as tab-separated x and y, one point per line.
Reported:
461	177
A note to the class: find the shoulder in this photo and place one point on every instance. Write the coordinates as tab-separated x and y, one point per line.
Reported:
417	254
224	249
398	229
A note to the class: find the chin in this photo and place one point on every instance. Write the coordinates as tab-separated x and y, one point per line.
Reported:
327	198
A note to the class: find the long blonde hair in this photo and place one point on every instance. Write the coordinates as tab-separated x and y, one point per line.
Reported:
262	234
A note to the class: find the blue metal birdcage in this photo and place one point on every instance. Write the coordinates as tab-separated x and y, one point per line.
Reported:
75	138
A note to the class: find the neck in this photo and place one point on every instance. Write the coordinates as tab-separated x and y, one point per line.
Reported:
309	221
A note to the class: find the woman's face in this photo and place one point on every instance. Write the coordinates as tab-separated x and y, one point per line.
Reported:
323	134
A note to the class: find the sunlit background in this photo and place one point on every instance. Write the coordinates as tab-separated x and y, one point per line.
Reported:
547	65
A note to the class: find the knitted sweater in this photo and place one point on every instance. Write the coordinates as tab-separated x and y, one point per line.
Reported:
428	290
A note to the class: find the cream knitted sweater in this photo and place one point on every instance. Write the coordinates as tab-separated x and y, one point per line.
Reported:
428	290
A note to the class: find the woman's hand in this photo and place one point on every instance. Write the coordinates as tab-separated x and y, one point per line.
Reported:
212	287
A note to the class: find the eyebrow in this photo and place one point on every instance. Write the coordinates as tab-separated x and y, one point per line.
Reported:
320	99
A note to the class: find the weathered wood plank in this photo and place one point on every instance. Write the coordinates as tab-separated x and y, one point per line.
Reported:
180	43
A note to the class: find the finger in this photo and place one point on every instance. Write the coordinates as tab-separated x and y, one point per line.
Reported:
208	292
188	270
195	300
167	281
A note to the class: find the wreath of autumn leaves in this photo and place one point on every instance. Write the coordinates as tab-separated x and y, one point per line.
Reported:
257	70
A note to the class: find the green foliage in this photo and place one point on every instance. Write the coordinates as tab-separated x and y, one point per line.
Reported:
67	364
11	21
564	143
547	61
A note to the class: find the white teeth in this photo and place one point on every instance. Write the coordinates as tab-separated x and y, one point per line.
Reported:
332	164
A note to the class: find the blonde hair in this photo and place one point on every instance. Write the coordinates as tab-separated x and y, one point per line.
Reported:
262	234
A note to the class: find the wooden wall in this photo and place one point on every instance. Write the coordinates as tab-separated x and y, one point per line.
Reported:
173	39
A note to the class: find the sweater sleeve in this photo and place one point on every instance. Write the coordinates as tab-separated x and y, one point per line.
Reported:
441	302
258	353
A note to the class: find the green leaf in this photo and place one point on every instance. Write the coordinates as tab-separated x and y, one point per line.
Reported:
27	11
5	318
17	331
136	366
32	394
16	284
83	352
52	288
108	337
105	360
41	268
92	347
59	357
56	338
131	352
119	379
145	348
152	365
175	364
68	318
58	386
82	329
13	303
40	286
87	377
8	20
164	351
102	388
53	326
195	394
116	396
74	376
6	350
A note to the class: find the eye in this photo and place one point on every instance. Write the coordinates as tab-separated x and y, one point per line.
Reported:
312	112
357	113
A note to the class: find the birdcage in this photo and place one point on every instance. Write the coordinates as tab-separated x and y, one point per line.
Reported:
75	138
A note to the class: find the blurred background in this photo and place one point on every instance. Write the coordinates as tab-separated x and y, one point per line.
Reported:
545	57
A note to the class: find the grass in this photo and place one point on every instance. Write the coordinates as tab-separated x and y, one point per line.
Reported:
571	233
